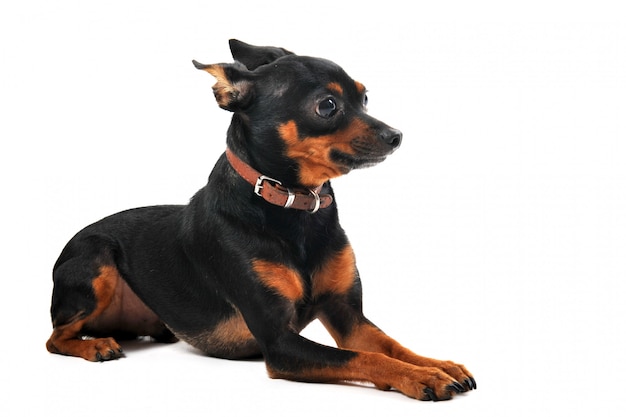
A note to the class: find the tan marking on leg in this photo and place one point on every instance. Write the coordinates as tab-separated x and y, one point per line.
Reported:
337	275
127	313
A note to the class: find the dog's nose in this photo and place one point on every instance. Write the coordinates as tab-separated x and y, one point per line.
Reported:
392	137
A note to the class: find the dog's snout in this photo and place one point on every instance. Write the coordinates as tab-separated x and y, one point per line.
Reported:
392	137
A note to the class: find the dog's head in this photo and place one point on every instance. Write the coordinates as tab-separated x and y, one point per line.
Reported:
298	118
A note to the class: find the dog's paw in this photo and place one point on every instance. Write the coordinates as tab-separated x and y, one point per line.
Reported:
460	374
100	350
437	383
432	384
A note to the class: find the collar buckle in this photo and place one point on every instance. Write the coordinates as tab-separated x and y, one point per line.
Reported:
259	183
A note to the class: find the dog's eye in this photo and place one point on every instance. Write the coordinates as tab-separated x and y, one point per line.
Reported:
365	100
327	108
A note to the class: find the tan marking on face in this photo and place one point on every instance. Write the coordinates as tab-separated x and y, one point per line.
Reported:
279	278
359	87
313	153
337	275
335	88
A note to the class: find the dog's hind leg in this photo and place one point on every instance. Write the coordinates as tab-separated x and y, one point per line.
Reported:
92	302
82	292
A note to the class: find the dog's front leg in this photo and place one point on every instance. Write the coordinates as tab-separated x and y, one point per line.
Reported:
351	330
337	287
271	314
293	357
288	355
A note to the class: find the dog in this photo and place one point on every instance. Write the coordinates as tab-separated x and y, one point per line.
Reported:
258	253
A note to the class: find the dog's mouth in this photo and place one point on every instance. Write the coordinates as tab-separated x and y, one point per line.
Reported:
365	154
349	162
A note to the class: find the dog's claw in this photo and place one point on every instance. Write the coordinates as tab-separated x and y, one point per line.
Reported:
470	383
430	394
456	387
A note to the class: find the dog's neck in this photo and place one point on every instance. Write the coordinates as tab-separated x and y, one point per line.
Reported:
272	191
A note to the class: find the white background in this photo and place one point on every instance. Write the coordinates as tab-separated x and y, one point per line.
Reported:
495	236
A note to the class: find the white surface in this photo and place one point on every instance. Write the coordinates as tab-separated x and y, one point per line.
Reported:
501	244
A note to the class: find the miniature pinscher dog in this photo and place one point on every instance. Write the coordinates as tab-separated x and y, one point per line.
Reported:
258	253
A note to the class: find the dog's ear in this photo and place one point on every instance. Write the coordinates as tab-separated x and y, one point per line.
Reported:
255	56
233	89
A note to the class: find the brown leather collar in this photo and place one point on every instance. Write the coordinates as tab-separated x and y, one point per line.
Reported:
273	192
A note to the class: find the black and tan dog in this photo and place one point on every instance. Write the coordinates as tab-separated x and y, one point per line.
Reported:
258	253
